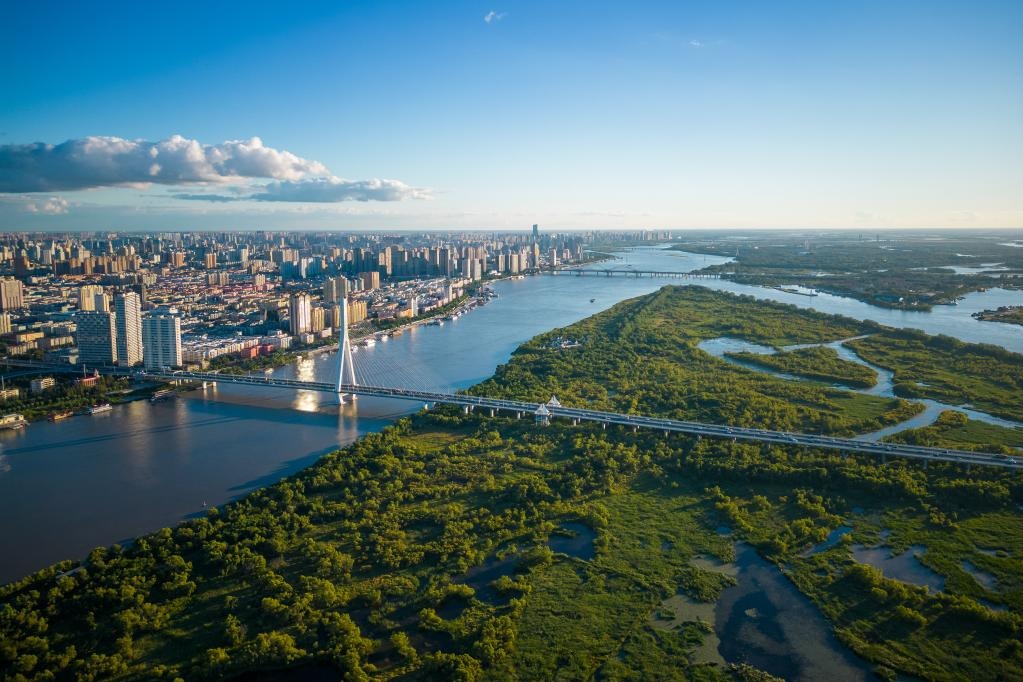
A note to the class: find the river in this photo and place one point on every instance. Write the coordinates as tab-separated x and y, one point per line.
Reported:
70	486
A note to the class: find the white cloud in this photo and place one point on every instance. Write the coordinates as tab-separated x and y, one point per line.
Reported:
321	191
695	43
335	189
51	206
492	16
116	162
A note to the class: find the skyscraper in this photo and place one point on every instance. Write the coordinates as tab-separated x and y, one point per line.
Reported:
300	314
96	334
128	312
161	340
335	289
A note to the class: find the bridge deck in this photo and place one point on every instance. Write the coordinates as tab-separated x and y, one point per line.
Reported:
844	445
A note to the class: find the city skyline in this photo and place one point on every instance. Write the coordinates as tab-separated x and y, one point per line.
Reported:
473	116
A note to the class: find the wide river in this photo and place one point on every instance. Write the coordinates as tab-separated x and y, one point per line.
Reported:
70	486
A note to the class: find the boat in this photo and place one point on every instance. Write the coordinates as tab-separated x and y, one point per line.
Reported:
593	300
368	342
162	394
99	409
13	421
57	416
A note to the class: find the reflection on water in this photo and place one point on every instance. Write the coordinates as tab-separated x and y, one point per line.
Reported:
905	566
764	621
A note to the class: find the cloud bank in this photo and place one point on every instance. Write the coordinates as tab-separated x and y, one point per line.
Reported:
95	162
321	190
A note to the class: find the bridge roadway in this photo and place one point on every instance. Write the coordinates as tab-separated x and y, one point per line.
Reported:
471	402
844	445
628	272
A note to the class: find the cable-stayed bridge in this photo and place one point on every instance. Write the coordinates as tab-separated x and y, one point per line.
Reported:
542	413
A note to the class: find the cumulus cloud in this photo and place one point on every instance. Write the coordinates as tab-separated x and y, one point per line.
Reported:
322	190
51	206
93	162
492	16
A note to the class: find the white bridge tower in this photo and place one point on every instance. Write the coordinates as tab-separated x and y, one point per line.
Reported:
344	353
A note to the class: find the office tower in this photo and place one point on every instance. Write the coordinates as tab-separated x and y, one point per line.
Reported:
128	321
178	259
536	233
300	314
87	296
101	302
161	340
96	337
553	257
335	289
210	261
12	294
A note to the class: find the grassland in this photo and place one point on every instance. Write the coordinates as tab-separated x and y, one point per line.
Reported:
939	367
818	363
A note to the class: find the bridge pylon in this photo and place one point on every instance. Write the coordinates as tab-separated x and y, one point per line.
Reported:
344	355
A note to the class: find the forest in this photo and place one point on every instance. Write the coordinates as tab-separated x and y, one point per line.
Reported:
465	547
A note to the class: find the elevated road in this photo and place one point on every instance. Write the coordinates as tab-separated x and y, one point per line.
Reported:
523	408
628	272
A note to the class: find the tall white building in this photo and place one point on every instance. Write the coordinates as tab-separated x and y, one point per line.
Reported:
161	340
96	337
300	314
128	312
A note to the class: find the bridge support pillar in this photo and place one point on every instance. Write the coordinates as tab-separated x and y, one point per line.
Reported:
518	415
603	425
465	409
635	429
492	411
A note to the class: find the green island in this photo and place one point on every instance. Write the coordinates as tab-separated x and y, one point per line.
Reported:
460	546
1005	314
902	271
819	363
986	377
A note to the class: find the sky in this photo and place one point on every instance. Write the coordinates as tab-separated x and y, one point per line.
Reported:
407	115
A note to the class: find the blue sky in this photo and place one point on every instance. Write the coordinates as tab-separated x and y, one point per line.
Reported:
570	114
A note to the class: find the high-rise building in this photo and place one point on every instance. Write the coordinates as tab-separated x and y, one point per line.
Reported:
96	337
300	314
178	259
335	289
370	280
128	313
5	323
161	340
317	319
209	260
12	294
87	296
